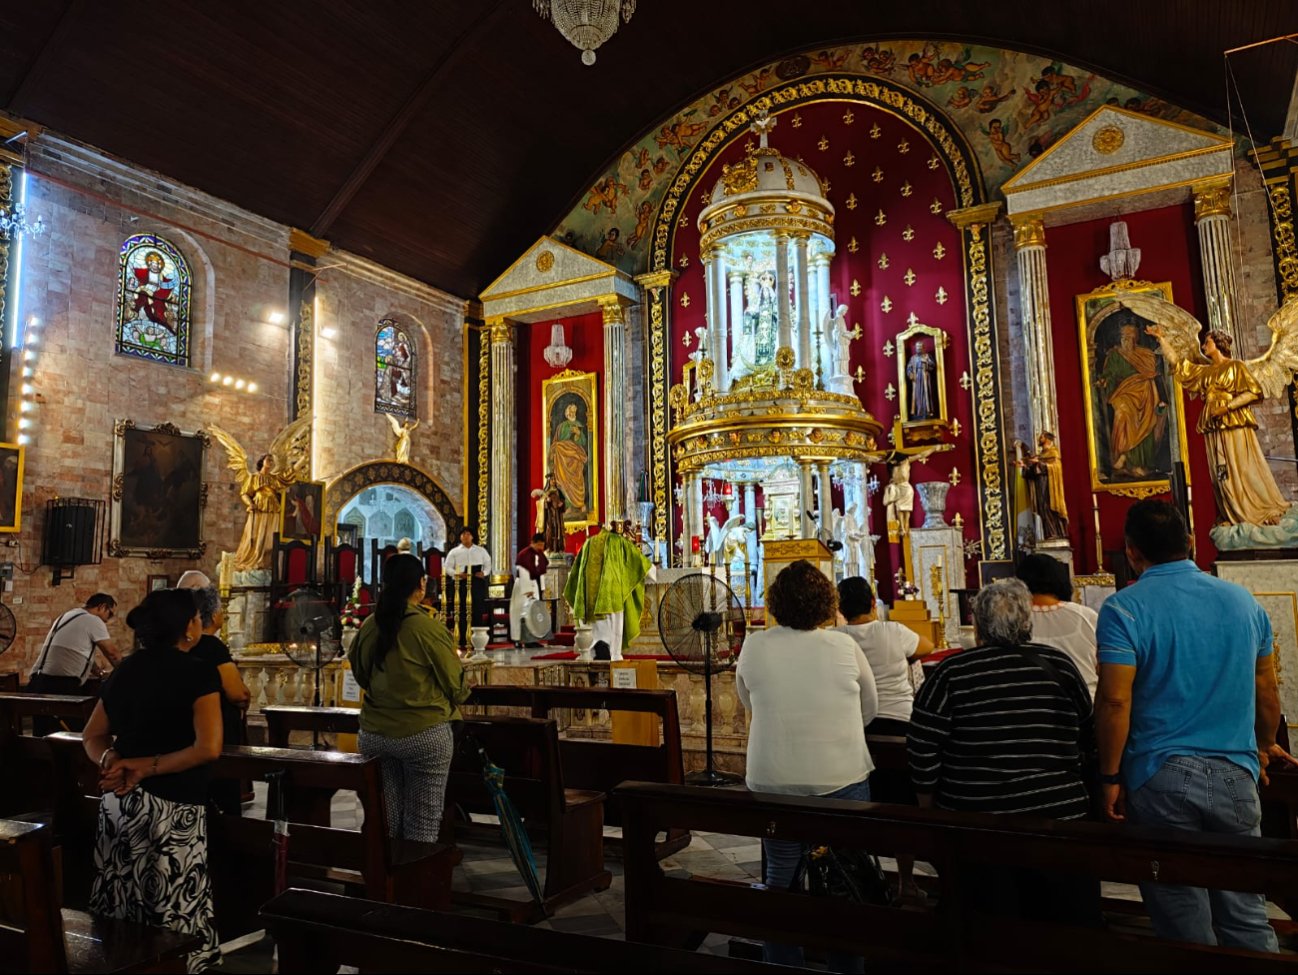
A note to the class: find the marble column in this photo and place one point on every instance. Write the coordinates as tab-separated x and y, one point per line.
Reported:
1212	218
720	348
615	438
826	497
1034	296
782	290
697	522
806	499
805	359
503	445
736	311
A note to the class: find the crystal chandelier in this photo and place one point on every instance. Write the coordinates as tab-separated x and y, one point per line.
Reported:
557	354
13	222
586	23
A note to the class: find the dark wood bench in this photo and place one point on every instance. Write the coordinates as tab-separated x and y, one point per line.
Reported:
9	682
24	758
590	764
571	821
38	935
241	854
676	912
316	932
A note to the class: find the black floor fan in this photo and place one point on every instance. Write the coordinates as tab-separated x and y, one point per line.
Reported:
702	624
309	635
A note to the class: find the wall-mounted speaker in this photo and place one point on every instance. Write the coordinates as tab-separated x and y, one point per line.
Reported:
74	533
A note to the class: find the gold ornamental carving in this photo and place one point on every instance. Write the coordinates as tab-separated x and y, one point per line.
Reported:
1029	231
1108	140
305	355
545	261
484	438
613	309
500	331
1212	199
740	177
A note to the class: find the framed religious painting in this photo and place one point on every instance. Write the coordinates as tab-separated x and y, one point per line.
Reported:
158	492
154	583
300	508
570	443
921	382
12	458
1135	416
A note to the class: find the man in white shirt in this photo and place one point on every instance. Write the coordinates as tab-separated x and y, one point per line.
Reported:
471	558
67	656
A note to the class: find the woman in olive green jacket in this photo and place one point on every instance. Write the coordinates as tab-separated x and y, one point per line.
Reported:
405	661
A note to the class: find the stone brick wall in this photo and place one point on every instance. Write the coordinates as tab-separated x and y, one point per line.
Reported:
239	261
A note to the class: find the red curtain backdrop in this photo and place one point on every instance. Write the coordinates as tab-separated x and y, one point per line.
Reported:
1169	252
585	336
890	193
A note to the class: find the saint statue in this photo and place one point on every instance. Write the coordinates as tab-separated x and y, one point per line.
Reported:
855	562
836	327
550	508
899	501
1129	383
1244	487
402	431
921	370
734	545
1044	473
761	327
287	462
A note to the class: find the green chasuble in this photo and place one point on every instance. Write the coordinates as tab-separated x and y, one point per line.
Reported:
607	577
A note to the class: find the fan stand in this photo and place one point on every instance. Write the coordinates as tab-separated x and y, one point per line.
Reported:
709	775
315	700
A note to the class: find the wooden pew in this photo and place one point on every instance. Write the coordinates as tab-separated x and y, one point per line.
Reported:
587	764
24	758
44	937
241	854
571	820
9	682
676	912
316	932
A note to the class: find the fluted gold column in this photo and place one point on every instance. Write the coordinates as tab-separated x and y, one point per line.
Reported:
615	440
504	436
1034	297
1212	218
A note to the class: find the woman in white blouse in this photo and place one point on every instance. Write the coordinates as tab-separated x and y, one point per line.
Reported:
810	693
1057	621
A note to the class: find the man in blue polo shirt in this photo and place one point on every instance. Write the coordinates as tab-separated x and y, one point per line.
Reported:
1186	707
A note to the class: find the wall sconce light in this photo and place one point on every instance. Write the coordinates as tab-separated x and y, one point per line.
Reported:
234	382
275	318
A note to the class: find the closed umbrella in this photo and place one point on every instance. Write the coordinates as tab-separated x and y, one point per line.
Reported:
511	826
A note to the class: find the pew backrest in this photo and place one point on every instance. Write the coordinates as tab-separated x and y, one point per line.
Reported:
27	870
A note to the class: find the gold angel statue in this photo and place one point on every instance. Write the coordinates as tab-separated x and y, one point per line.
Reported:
1245	489
287	461
402	431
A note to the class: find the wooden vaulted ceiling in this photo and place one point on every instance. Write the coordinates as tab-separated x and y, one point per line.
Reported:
441	137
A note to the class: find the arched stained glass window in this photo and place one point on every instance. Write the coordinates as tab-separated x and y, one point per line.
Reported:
395	370
153	293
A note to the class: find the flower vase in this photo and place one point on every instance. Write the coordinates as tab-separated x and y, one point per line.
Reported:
933	496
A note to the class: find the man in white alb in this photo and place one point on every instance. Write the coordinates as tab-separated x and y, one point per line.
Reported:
470	557
67	656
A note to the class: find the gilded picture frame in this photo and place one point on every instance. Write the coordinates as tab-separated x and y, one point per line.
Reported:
13	459
158	492
301	510
934	342
1135	413
570	442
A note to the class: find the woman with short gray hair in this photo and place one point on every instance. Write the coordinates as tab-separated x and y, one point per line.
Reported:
1003	728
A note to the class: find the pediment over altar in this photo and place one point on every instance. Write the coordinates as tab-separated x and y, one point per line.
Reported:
550	276
1112	153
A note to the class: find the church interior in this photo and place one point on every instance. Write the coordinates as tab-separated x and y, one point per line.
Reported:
548	347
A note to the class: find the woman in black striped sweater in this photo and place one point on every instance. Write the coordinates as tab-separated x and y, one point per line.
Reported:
1002	728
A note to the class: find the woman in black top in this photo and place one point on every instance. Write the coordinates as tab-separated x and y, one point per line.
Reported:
155	729
225	794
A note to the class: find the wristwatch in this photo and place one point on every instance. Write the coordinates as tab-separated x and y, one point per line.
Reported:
1114	779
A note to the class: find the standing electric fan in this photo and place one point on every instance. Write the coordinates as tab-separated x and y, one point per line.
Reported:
702	625
309	635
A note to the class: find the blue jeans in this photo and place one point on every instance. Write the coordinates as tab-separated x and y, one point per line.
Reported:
782	859
1206	795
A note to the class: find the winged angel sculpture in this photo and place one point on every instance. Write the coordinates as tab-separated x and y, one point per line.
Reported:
286	462
1251	510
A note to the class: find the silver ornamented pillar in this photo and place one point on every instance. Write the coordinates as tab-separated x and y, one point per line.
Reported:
503	445
736	314
826	496
1034	296
806	499
615	439
721	331
805	360
782	290
1212	218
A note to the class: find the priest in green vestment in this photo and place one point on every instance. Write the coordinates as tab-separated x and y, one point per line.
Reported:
606	588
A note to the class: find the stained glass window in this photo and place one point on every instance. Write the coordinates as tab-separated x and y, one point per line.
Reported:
153	301
395	370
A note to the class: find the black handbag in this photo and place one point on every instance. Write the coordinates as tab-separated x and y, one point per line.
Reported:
851	874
